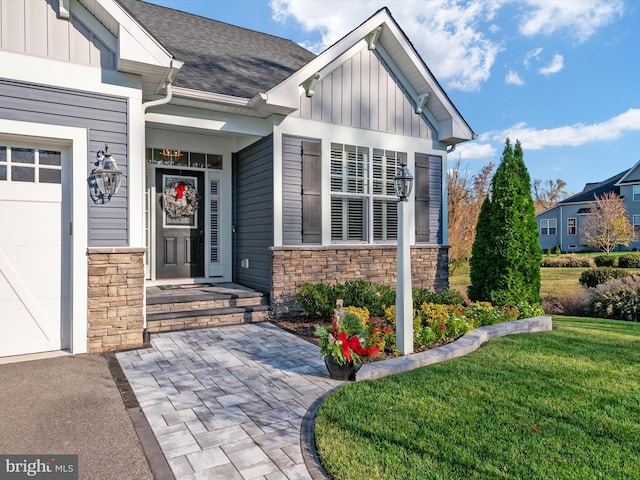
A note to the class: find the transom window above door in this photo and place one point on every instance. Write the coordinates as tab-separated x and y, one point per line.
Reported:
363	200
179	158
18	164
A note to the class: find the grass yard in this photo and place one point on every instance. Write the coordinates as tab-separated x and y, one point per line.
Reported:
556	405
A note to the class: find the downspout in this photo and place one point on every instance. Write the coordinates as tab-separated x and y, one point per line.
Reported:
145	105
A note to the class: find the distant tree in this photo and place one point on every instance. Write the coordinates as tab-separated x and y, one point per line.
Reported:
547	193
506	255
466	194
608	225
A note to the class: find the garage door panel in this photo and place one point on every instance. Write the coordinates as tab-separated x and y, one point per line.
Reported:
31	275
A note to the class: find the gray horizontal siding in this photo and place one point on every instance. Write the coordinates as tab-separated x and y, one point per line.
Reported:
291	190
253	214
104	117
363	93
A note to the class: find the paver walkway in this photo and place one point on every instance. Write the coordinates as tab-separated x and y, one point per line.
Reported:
228	402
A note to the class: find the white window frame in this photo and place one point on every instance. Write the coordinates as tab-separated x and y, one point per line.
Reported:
574	226
373	185
636	223
548	224
636	193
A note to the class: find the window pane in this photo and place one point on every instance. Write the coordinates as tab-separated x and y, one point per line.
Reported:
23	174
3	172
50	157
348	219
198	160
3	154
23	155
214	161
385	220
47	175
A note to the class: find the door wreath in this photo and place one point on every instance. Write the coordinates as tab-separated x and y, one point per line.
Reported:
180	200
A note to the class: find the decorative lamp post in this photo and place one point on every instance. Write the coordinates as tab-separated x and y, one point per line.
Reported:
108	176
404	302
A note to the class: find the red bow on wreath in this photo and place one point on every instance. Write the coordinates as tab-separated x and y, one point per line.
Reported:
180	190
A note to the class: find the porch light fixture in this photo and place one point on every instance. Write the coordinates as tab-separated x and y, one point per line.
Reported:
107	175
403	181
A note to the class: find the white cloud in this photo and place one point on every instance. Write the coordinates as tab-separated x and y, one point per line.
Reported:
531	55
580	18
557	64
475	150
513	78
447	33
571	135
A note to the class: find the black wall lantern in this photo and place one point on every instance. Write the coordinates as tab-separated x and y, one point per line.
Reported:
403	181
107	175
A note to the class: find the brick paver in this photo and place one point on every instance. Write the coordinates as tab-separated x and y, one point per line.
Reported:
228	402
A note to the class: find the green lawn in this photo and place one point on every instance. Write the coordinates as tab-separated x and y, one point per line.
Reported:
556	405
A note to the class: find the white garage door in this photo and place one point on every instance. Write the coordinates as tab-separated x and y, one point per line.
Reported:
34	286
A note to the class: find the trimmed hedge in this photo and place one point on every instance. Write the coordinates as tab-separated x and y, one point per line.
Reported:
629	260
319	299
605	261
569	260
598	276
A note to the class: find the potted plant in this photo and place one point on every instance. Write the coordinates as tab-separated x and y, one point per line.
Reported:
344	343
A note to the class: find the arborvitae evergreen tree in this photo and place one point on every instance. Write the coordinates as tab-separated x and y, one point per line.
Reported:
507	269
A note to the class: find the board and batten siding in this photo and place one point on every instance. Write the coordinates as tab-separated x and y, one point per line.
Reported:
106	121
253	214
363	93
33	28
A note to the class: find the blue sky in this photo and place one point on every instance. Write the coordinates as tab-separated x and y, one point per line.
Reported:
563	76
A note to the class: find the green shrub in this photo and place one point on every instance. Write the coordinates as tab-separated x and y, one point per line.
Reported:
569	260
361	293
317	299
557	250
629	261
618	299
448	297
597	276
605	261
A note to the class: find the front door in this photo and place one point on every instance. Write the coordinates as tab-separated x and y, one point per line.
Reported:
179	224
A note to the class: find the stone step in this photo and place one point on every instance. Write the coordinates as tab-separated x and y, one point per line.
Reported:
189	319
203	301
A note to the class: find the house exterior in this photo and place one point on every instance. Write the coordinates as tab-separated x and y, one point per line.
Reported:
561	225
290	157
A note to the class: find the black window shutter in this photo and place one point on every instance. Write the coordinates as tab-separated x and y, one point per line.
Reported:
311	192
421	186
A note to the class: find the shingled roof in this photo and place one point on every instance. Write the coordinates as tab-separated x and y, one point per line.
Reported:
218	57
591	190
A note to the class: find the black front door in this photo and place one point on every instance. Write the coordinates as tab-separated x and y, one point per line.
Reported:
179	224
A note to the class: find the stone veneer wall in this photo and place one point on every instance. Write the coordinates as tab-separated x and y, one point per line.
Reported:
116	298
336	264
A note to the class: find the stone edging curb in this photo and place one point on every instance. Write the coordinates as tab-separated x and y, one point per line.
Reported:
463	346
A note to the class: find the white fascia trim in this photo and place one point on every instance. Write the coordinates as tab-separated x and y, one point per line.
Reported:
91	22
461	127
77	137
445	199
230	123
211	97
135	43
25	68
631	170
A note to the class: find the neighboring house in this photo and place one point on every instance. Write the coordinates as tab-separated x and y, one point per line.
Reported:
292	155
562	224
